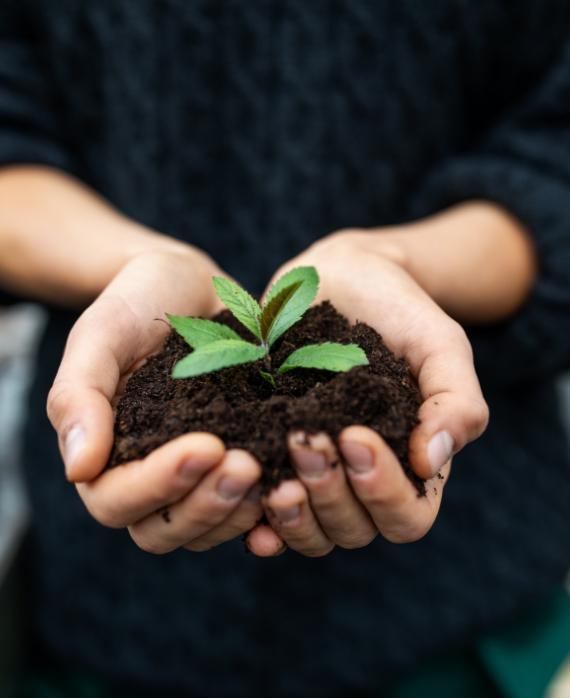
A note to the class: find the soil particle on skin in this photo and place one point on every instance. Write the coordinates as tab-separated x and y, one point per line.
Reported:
240	407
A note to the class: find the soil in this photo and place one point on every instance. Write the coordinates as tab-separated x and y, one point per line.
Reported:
246	412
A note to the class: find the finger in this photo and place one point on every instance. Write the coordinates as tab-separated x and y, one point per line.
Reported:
343	519
240	521
211	502
264	542
98	350
381	485
290	515
454	411
129	492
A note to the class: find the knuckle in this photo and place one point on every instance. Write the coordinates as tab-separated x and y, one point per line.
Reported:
57	402
482	414
101	509
476	416
353	542
147	544
317	550
456	333
340	244
106	514
333	248
407	533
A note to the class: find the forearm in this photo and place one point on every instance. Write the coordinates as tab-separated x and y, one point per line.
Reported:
475	260
59	241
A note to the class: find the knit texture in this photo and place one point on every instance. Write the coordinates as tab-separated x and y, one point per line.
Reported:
251	129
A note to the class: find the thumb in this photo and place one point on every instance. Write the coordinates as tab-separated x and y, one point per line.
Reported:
83	419
454	411
79	403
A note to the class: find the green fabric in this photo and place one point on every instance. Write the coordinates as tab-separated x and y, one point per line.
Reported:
453	676
517	661
524	657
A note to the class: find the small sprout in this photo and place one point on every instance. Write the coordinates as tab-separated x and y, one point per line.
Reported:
217	346
269	378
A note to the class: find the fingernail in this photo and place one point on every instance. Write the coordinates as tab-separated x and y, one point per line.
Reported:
440	450
74	444
230	489
289	515
310	463
359	457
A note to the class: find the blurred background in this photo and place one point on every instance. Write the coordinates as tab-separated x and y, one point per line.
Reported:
20	328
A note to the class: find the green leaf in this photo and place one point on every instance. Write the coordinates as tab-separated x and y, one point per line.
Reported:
216	355
271	310
245	308
294	308
197	331
268	377
329	356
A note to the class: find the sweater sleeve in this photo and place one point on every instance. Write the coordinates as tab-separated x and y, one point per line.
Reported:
523	164
30	132
30	128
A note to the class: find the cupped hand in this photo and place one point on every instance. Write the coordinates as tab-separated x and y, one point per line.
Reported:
370	495
191	492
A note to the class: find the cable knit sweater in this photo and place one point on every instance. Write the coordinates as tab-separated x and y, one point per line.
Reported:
251	128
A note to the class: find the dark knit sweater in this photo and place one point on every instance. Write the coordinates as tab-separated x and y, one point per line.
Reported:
250	129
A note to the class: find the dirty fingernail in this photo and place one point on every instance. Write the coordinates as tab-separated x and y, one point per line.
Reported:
289	515
359	458
440	450
309	463
73	445
230	489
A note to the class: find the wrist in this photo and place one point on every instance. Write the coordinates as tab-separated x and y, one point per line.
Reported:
475	259
62	243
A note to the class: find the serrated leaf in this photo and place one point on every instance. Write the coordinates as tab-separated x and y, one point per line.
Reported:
293	310
242	306
271	310
216	355
329	356
197	331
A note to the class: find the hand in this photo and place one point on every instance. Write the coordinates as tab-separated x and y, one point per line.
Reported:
349	506
191	492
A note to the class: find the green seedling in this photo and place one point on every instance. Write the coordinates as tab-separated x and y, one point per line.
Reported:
216	346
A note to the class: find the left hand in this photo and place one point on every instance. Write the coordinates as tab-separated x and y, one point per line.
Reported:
348	506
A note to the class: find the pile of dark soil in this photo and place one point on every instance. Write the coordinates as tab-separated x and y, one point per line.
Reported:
242	408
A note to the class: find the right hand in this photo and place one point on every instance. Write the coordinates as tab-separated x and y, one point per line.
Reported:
210	492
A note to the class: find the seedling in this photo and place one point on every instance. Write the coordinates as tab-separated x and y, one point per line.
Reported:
216	346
